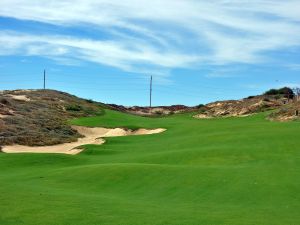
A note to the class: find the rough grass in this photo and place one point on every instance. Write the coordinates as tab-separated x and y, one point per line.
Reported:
230	171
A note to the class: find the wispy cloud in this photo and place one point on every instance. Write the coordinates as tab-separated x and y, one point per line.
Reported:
293	66
225	72
121	54
156	36
263	87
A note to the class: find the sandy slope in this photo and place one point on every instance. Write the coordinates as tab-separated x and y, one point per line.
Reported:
91	136
2	116
19	97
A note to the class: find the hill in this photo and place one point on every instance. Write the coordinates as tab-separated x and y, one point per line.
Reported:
39	117
241	107
153	111
282	102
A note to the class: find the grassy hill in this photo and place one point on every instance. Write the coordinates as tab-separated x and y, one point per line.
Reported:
222	171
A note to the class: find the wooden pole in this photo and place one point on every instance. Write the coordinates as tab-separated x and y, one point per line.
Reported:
150	93
44	79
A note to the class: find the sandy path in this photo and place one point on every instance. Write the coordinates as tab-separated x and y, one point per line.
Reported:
91	136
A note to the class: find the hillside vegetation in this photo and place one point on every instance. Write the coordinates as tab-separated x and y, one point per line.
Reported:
283	102
236	171
39	117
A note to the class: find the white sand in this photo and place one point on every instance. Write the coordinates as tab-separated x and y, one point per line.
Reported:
202	116
91	136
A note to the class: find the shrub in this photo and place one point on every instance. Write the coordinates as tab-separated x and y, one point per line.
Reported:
272	92
74	108
285	91
89	101
200	106
202	110
4	101
277	97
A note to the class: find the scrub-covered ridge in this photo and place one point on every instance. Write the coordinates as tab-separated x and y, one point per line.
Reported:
39	117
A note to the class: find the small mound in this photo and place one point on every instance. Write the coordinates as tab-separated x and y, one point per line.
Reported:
92	135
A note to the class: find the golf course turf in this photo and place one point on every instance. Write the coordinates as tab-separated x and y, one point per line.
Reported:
229	171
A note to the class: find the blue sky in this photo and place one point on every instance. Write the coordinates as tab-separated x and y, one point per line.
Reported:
197	51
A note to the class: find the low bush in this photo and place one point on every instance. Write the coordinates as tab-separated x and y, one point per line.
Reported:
4	101
73	108
285	91
89	101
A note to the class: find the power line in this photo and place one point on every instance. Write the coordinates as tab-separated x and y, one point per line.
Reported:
135	84
131	81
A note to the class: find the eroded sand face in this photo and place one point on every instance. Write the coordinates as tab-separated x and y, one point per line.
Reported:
8	113
91	136
20	97
3	116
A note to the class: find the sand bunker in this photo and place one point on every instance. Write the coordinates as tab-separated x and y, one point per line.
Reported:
203	116
91	136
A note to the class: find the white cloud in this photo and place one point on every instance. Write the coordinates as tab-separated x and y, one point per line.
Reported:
156	35
112	53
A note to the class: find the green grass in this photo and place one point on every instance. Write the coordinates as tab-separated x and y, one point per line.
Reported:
233	171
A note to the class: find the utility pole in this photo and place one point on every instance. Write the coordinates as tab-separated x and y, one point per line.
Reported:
150	93
44	79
